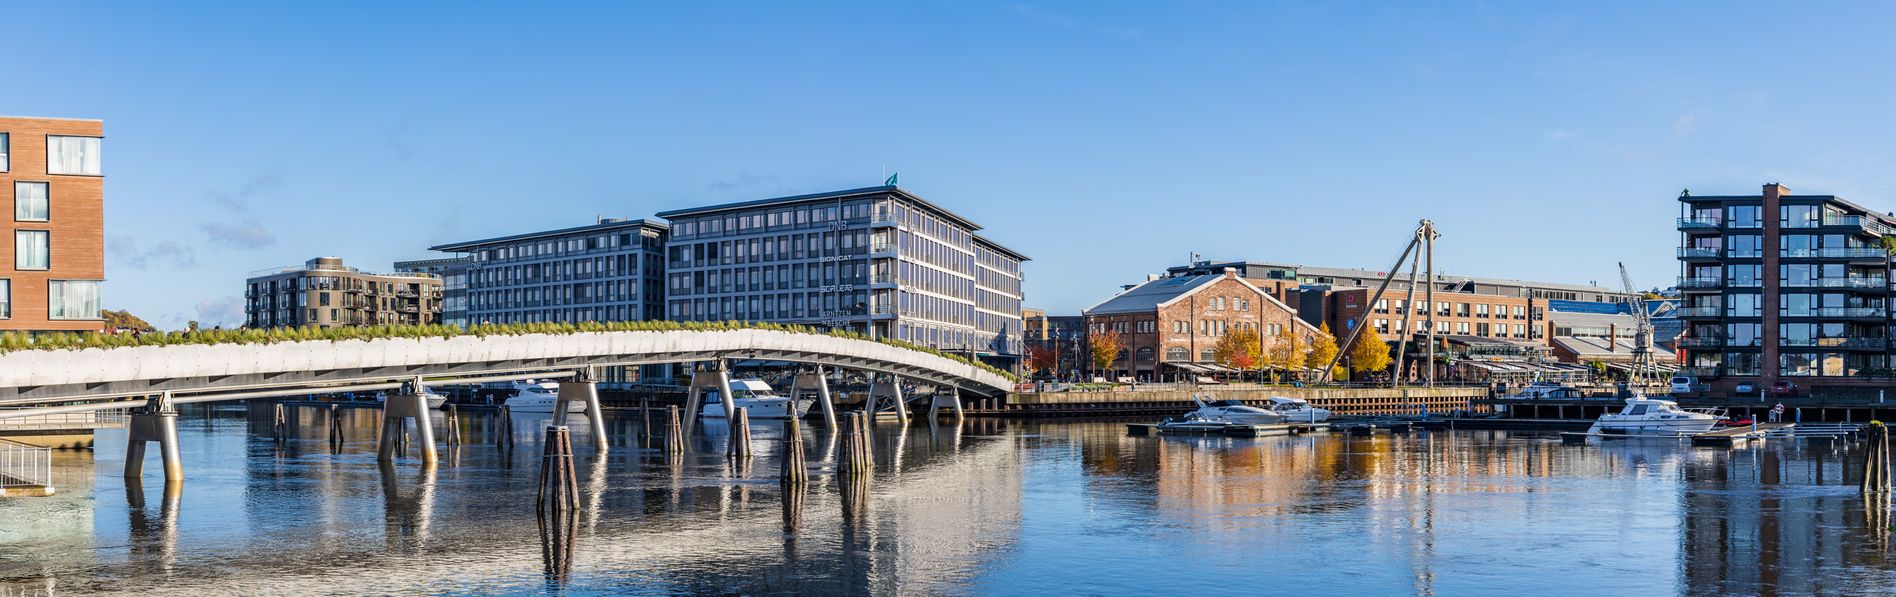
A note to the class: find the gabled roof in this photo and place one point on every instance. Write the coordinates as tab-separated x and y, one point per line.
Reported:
1162	292
1596	347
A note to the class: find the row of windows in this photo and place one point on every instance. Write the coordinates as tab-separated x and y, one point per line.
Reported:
802	216
780	248
1457	309
1498	330
554	295
65	154
1799	364
570	246
65	299
626	265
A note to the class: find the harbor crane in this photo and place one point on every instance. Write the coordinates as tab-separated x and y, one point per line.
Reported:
1644	370
1423	239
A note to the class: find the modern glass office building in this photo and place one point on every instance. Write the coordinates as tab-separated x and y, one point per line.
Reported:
879	261
608	271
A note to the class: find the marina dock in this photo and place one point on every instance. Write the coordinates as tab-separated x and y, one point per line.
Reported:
1273	429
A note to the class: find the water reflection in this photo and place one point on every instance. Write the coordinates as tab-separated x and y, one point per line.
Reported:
986	506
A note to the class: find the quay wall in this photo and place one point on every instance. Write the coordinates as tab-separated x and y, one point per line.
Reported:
1342	401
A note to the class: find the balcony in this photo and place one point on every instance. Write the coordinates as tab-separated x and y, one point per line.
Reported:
1702	372
1698	253
1876	284
1870	254
1701	283
1700	223
1693	312
882	246
883	217
1848	312
1855	343
1865	224
1701	342
882	279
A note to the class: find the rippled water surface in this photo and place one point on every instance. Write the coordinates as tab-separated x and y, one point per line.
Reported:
991	506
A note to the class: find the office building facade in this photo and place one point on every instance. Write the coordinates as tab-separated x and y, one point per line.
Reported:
1777	286
453	274
612	270
880	261
325	293
55	252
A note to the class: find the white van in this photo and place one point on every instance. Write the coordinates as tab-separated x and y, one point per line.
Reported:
1684	384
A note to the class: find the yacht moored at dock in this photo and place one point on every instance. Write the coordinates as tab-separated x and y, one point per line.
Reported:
539	397
1651	416
1232	412
753	395
1298	410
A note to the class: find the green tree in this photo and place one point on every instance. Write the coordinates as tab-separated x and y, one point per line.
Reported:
1370	353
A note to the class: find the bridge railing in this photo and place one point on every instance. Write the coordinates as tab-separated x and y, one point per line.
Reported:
99	419
23	465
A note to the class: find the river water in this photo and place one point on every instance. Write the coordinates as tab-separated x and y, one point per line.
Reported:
987	507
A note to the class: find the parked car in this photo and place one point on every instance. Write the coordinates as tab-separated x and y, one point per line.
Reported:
1745	387
1686	384
1783	389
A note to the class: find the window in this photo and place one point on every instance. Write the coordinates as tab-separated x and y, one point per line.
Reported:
1174	354
6	294
72	155
30	250
3	153
29	202
73	299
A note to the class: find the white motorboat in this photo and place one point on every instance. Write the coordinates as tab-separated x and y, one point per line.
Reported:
539	397
1232	412
1298	410
434	400
1543	390
1651	416
754	396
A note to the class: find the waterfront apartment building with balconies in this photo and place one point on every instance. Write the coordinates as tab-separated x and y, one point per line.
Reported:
1779	286
325	293
55	252
880	261
611	270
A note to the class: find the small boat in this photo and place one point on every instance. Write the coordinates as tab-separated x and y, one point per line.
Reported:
1190	422
757	399
1651	416
1298	410
434	400
539	397
1232	412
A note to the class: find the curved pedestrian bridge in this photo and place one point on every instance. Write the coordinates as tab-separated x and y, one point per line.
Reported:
42	377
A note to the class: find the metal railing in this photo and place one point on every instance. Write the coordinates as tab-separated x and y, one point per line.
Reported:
1701	341
1857	283
1701	282
1697	312
1687	223
101	419
1698	252
23	465
1856	312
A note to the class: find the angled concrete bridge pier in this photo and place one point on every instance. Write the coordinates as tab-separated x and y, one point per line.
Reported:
411	403
156	421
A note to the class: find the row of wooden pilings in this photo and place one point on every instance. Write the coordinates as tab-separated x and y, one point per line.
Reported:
558	498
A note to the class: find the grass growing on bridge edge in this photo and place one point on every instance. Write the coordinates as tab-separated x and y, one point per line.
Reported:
15	341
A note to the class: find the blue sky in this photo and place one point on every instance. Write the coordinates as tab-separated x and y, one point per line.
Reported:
1105	140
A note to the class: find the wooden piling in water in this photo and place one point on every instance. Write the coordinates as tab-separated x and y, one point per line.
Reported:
674	432
335	429
740	434
503	426
867	443
793	470
277	430
645	430
559	483
1876	460
454	425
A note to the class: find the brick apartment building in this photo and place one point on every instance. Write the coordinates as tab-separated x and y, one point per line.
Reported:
325	293
1171	324
56	252
1063	335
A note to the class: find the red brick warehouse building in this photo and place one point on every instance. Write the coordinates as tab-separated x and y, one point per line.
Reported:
53	261
1170	325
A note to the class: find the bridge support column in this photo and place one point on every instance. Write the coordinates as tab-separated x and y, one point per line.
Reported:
584	391
702	380
892	390
411	403
952	401
816	381
156	421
